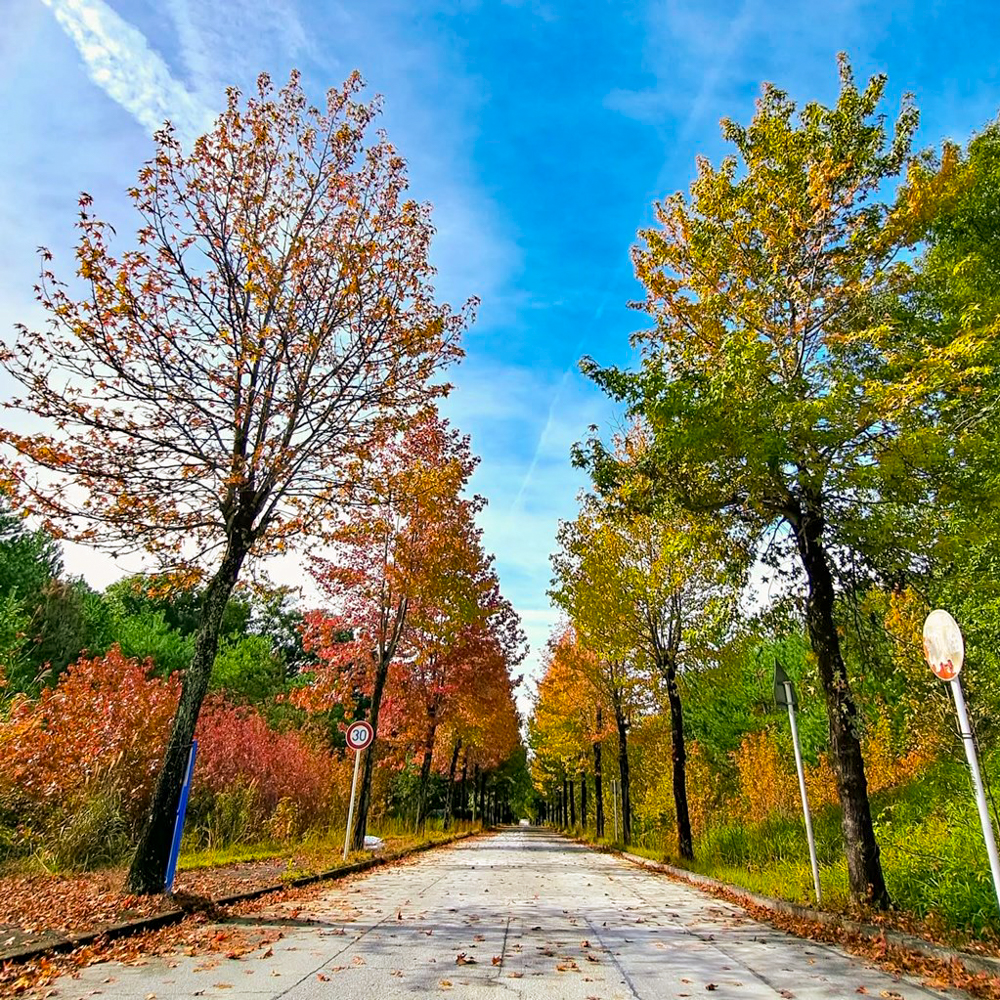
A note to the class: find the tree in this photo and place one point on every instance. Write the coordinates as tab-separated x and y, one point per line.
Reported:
656	587
761	381
562	726
390	554
209	389
462	629
615	665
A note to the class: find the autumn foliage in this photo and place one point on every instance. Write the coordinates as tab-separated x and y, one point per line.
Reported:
103	727
101	733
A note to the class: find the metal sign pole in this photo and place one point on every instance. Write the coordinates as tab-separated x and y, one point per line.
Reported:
802	788
350	810
175	846
968	741
944	650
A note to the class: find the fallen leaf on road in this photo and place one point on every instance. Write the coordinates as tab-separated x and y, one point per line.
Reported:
711	986
464	959
497	959
446	983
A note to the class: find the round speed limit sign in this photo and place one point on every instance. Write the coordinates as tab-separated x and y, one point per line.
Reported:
359	735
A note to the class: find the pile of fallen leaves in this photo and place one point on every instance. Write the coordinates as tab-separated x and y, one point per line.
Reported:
33	907
195	935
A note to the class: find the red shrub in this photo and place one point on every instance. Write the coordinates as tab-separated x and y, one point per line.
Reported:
105	724
235	745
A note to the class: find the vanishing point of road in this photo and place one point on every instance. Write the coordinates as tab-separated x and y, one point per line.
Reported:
519	914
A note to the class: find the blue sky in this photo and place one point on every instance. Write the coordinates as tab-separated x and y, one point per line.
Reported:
540	131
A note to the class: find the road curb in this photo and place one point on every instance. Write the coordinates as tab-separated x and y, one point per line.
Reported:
157	920
974	964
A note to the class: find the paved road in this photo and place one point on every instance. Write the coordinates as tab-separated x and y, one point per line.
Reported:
534	917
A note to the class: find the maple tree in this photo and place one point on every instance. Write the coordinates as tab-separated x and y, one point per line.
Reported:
483	721
653	588
616	667
387	557
763	381
208	389
566	727
462	630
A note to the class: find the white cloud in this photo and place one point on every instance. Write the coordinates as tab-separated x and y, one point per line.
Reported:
120	61
230	40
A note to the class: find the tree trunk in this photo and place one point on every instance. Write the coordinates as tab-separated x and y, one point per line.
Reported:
425	772
464	793
864	867
148	872
368	765
583	799
623	772
572	803
482	797
598	782
450	797
684	845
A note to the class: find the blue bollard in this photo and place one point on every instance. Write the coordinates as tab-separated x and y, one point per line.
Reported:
175	847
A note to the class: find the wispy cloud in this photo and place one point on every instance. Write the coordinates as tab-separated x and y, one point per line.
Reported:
230	40
701	49
120	61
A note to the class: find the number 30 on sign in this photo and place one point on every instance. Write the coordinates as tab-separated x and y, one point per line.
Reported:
359	735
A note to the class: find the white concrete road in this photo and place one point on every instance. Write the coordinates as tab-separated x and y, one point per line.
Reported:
532	916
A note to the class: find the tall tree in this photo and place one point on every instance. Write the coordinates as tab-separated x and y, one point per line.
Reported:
389	555
761	379
656	588
562	725
209	388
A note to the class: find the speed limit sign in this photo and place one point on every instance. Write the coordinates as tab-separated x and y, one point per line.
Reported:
359	735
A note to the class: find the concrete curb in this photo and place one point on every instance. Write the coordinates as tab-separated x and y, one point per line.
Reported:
154	922
975	964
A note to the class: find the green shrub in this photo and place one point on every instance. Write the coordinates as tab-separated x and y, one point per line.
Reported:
95	834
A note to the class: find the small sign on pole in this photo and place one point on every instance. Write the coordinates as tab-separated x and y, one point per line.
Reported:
784	695
944	650
359	735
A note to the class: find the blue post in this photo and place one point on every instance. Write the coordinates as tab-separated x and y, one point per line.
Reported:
175	847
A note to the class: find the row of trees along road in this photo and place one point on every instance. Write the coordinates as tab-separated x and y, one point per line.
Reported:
206	396
817	388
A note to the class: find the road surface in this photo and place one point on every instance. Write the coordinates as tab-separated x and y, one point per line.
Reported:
521	914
